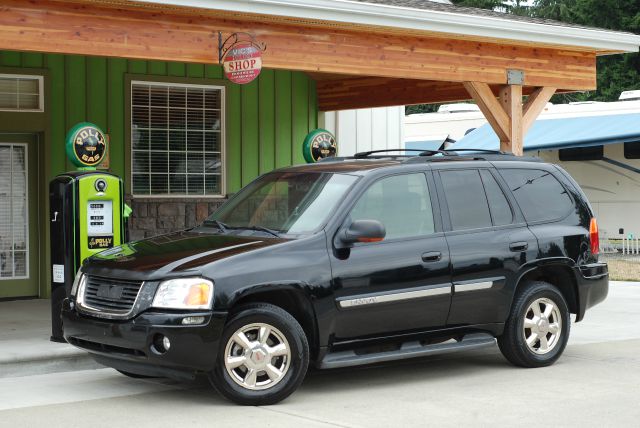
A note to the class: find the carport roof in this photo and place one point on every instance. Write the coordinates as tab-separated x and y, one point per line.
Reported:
549	134
429	16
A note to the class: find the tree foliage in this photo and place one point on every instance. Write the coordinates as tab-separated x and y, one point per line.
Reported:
616	73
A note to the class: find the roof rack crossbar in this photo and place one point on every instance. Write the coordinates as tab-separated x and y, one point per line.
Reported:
360	155
427	152
455	152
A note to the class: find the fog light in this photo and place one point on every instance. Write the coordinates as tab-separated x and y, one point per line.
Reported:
192	320
161	344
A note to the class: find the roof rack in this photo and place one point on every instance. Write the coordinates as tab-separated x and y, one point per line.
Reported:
427	152
433	155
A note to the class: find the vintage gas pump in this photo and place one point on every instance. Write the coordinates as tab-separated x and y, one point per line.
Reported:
86	214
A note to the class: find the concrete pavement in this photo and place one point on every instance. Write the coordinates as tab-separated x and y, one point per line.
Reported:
595	383
25	348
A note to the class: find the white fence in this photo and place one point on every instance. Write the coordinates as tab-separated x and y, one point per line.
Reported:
630	245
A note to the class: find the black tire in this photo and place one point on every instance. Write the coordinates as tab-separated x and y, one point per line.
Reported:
135	375
513	343
287	325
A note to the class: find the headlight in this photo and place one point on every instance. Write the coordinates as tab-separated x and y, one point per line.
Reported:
76	282
184	293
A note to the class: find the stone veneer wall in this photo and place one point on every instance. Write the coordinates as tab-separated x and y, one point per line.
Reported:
151	217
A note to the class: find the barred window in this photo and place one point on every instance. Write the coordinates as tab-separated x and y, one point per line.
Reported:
21	93
177	139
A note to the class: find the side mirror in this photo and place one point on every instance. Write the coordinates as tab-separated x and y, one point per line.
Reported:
363	231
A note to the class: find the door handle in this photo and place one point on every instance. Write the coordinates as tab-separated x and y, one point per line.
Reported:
518	246
432	256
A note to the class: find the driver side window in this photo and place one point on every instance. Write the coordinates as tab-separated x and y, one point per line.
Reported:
401	203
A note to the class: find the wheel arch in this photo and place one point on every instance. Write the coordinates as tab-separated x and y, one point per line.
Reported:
290	297
560	274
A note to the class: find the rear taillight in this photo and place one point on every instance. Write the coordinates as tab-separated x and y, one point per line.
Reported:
594	237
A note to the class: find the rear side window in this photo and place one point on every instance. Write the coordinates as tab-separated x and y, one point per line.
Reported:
468	208
501	213
540	195
401	203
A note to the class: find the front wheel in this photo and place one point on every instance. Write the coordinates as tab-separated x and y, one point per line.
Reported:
537	330
263	358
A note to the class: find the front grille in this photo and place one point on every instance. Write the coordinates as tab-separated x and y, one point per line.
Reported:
109	295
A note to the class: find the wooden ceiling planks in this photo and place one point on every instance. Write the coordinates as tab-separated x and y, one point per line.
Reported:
343	93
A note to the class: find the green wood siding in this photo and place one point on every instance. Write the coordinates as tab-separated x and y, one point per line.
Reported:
267	119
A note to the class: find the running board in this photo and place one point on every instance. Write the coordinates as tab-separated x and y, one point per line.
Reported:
407	350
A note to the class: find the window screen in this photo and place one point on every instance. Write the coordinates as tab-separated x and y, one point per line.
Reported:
21	93
501	213
468	208
176	139
540	195
401	203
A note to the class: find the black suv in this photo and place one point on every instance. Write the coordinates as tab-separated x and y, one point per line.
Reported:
345	262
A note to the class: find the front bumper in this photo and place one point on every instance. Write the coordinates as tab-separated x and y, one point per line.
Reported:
593	286
128	345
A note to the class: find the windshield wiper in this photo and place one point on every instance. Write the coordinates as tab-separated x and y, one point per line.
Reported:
217	223
261	229
224	228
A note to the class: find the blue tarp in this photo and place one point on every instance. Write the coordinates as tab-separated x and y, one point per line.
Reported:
424	145
548	134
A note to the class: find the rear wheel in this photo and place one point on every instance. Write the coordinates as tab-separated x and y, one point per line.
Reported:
537	330
263	358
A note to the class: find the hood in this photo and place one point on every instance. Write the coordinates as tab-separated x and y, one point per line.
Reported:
175	252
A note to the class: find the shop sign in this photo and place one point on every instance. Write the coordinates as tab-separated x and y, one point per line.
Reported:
86	145
241	56
319	144
242	63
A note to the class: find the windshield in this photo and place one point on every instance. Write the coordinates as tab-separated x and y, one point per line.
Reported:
284	202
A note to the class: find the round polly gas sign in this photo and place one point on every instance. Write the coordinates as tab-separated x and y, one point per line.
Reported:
86	145
319	144
242	63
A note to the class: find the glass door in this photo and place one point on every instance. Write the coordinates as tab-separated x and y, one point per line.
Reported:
18	216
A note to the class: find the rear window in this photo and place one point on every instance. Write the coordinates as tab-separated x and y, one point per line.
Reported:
540	195
468	208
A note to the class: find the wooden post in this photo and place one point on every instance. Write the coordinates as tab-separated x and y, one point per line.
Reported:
511	101
509	118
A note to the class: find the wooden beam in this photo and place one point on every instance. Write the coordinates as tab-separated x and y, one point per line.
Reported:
491	108
534	106
511	101
149	31
505	116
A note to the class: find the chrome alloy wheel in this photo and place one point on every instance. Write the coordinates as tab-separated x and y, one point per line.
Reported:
542	326
257	356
